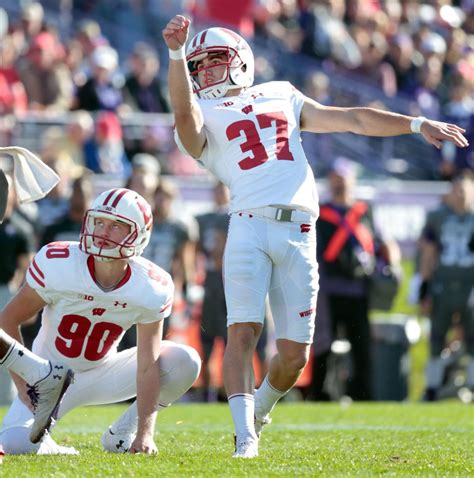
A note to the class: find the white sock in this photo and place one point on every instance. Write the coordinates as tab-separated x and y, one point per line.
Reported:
470	373
266	397
25	363
434	372
128	421
242	407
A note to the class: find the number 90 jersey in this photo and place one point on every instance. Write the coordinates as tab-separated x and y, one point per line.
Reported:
254	147
81	324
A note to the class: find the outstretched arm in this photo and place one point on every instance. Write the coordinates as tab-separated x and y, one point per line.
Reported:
188	116
372	122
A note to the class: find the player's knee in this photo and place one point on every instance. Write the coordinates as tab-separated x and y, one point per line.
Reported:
295	360
16	440
192	362
243	336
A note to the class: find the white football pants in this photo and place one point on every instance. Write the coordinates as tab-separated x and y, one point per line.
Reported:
265	256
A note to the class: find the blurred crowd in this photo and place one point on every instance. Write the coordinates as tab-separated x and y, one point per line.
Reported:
96	57
79	71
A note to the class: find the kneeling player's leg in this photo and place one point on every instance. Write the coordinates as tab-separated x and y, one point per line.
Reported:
15	434
179	368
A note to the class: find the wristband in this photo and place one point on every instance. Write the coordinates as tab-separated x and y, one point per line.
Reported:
178	54
415	124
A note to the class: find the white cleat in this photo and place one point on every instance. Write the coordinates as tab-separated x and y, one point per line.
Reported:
246	448
260	423
49	447
46	395
117	442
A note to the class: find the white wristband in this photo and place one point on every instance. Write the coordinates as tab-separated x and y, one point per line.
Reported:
415	124
179	54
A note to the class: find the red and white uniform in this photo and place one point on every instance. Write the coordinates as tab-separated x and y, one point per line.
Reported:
254	147
82	325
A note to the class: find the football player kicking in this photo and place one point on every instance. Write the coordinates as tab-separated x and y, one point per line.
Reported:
249	137
91	292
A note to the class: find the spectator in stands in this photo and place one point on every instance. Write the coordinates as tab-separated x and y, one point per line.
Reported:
104	152
12	91
447	271
100	92
278	22
143	90
326	35
373	48
31	25
154	140
400	55
145	176
68	227
78	131
47	80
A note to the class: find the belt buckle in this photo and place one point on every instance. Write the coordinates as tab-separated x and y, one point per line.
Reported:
283	214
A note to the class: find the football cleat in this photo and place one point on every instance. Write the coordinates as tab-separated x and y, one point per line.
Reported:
246	448
117	442
260	423
46	395
49	447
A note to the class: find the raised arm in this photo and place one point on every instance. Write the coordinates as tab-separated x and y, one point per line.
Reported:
372	122
188	116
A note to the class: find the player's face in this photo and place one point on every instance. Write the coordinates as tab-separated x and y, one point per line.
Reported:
212	69
108	233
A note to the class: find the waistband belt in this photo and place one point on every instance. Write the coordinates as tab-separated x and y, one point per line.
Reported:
281	214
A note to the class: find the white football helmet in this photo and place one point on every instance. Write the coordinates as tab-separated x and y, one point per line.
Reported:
122	205
240	63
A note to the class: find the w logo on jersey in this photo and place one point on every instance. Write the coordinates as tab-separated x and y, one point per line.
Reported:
247	109
98	311
305	227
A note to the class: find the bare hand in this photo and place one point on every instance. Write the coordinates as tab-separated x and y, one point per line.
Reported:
435	132
144	444
176	32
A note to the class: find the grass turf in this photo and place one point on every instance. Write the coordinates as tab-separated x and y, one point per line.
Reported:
305	439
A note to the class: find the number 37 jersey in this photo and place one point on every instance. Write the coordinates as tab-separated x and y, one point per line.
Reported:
254	147
81	324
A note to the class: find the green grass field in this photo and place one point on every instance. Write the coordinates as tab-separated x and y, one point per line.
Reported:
304	440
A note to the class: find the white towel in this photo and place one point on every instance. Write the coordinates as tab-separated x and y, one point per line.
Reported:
33	179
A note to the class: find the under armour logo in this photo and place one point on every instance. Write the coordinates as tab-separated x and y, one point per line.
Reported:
21	353
305	227
123	304
98	311
57	377
247	109
119	444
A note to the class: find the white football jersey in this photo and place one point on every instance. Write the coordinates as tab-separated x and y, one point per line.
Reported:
82	325
254	147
